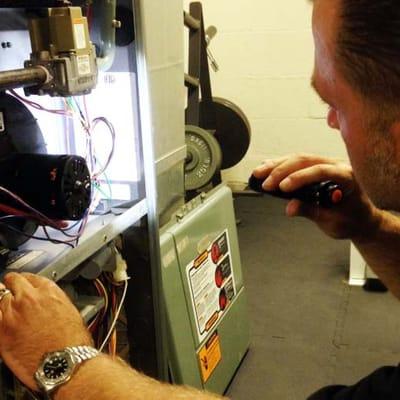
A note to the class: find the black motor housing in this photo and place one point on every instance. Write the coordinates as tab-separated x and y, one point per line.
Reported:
58	186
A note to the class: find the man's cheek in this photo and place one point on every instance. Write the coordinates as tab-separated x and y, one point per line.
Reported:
345	135
353	148
347	131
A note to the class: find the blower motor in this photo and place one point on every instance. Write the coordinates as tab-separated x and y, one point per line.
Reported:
56	185
59	186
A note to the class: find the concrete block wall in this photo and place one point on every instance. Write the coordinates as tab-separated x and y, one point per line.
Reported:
265	52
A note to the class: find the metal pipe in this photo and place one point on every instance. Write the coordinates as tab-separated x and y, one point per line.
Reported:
191	22
22	77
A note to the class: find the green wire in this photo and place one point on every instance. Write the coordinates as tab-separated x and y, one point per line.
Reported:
73	104
97	187
108	183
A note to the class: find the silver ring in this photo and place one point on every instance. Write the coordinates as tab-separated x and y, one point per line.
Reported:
4	292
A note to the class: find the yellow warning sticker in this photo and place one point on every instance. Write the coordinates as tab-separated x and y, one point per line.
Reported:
209	356
200	259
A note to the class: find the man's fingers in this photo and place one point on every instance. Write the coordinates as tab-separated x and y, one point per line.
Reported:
296	208
18	285
317	173
267	166
36	280
279	171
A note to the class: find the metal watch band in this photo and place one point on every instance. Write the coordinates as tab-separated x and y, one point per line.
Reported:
81	353
78	355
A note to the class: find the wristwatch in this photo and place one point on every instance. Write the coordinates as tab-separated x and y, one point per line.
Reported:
58	367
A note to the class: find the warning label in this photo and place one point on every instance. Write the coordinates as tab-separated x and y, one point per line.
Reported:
211	283
209	356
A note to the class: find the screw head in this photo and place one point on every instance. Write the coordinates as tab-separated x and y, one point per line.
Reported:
116	24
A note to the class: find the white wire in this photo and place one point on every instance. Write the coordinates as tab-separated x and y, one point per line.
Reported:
115	317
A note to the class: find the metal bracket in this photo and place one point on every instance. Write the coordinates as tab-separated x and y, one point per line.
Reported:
198	71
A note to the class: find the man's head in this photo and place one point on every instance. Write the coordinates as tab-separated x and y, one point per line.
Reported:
357	44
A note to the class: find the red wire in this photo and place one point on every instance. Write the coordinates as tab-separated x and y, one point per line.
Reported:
112	343
20	213
37	105
101	314
13	211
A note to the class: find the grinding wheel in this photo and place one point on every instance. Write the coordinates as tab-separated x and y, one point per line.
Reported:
232	131
203	159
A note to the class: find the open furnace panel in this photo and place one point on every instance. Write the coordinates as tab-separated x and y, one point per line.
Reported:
101	126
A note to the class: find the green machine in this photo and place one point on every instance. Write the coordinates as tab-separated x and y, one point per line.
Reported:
204	294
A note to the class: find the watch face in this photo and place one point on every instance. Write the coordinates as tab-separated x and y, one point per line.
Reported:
56	367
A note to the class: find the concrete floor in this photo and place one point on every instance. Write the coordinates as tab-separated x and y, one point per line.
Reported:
309	328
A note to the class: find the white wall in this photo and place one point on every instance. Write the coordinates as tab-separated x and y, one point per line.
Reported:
265	52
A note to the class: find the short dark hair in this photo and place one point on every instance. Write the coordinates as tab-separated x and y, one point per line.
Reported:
368	49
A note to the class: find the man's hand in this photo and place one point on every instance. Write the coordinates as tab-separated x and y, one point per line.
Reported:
36	318
354	217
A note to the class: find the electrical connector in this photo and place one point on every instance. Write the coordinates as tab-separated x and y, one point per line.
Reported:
120	274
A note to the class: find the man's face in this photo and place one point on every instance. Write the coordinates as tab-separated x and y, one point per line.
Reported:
371	150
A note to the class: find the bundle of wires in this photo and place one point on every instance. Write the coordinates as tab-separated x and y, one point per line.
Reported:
96	167
28	212
104	326
72	109
37	106
89	128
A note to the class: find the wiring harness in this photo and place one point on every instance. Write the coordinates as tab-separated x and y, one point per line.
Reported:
75	110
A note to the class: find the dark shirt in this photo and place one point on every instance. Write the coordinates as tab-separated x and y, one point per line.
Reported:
383	384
